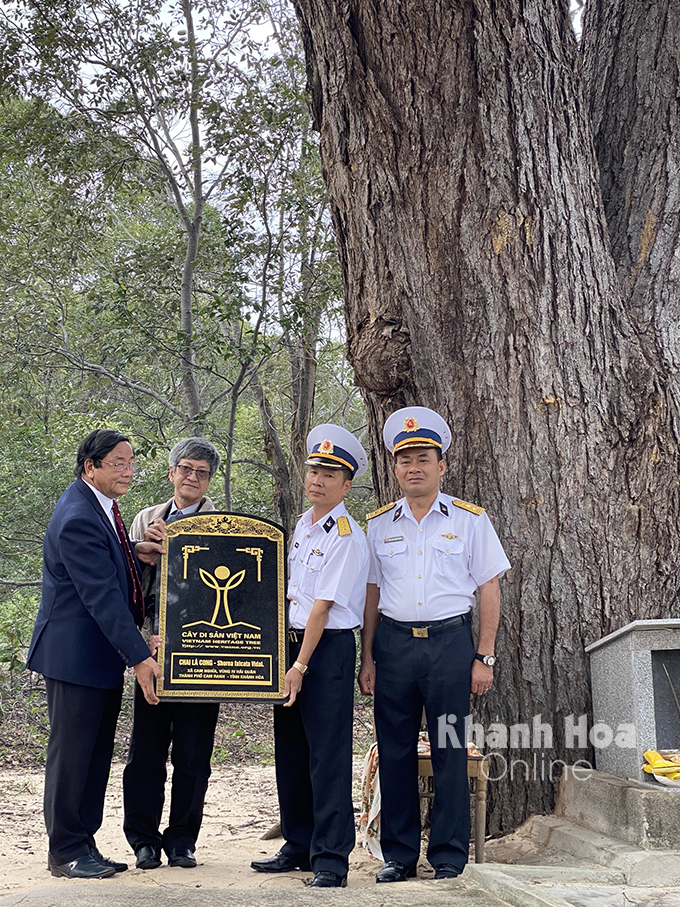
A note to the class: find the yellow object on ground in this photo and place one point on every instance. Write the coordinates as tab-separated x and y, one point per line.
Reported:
657	765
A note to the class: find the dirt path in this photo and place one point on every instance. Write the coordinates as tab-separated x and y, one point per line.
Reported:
241	805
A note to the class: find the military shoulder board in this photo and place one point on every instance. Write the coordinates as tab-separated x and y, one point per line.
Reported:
473	508
369	516
344	527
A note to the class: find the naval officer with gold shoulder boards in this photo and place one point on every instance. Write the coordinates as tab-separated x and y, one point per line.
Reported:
327	575
430	553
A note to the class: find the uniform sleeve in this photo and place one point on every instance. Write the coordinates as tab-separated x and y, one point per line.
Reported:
487	557
374	569
86	557
344	563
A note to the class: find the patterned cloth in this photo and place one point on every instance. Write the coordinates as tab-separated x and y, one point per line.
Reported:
369	823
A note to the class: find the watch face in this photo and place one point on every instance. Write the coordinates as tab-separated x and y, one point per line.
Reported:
490	660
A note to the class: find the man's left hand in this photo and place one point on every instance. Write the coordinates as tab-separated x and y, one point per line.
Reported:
482	678
292	684
148	552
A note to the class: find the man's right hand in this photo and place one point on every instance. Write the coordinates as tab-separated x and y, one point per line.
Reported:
145	672
156	532
367	678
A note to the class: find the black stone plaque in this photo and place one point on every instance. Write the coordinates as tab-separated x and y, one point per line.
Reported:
222	609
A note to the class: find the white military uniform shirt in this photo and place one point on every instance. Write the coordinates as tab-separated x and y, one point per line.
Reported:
430	570
324	564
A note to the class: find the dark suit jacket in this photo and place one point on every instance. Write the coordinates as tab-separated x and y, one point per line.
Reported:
85	630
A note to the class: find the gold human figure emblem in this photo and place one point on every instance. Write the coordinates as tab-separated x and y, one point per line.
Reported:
221	594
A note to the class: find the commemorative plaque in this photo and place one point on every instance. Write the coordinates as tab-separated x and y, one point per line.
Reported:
222	609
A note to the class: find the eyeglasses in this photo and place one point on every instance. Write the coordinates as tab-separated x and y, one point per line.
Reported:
121	465
201	474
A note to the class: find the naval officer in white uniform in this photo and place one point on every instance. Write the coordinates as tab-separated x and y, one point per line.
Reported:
327	575
430	553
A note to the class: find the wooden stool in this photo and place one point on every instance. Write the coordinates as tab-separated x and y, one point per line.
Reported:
476	770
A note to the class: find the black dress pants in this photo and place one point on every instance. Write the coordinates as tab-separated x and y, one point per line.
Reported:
190	727
82	732
433	672
313	741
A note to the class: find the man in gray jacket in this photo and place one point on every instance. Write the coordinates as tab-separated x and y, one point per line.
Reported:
189	726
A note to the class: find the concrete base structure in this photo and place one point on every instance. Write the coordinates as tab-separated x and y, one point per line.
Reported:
633	812
630	689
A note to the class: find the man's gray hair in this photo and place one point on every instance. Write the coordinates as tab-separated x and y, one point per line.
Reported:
195	449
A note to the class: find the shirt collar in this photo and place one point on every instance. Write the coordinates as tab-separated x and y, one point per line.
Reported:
105	502
440	505
187	511
338	510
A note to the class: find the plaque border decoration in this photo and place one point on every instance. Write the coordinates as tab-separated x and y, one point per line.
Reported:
233	525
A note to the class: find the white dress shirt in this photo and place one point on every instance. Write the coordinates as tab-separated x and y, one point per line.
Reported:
105	502
326	565
430	570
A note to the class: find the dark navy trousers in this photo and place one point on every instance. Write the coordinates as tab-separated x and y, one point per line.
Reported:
412	673
190	727
82	732
313	740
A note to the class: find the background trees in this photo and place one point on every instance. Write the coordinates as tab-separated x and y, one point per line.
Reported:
167	261
168	148
479	279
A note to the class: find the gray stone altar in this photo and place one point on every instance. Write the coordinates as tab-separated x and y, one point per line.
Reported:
630	687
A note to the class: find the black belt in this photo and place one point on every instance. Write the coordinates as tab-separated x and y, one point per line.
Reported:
296	635
422	629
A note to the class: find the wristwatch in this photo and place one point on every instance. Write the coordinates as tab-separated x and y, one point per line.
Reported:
489	660
301	668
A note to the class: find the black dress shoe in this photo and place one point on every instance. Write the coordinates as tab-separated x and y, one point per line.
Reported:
446	871
281	862
148	856
326	879
85	867
181	856
100	858
394	871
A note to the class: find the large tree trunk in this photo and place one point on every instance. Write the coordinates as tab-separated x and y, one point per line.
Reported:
632	81
479	281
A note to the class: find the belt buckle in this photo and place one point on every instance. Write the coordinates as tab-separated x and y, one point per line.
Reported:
420	632
292	635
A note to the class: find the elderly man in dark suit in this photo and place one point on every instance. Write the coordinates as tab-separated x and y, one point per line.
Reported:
86	633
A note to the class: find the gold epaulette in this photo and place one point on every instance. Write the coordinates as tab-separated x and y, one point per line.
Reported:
369	516
344	527
473	508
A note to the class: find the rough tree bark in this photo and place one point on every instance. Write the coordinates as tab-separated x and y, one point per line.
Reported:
479	281
632	81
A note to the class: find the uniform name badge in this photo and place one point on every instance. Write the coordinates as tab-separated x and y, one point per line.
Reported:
221	611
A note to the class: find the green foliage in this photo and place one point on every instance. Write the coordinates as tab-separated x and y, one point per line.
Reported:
127	133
